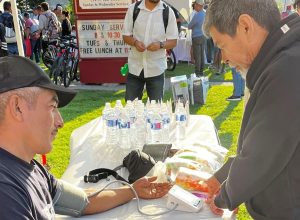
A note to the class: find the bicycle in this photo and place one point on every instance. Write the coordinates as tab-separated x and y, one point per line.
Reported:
171	60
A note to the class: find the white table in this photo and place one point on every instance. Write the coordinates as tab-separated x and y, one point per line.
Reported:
182	50
88	152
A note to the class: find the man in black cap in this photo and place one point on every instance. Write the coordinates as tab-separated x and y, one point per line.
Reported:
29	122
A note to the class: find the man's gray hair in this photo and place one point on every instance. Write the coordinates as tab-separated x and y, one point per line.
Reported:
30	94
224	14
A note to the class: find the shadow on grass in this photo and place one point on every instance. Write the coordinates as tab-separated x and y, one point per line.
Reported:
225	114
226	140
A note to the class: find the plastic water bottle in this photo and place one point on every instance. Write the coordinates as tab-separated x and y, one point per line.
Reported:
156	127
124	127
105	112
131	113
180	118
140	130
166	120
111	127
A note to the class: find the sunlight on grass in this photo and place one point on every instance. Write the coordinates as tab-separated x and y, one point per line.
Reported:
120	92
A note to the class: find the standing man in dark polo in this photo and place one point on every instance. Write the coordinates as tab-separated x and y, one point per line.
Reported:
149	40
265	50
198	39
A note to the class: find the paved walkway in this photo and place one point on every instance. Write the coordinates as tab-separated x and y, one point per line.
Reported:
116	86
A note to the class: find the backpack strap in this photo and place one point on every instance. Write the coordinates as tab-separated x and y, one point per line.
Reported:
136	12
102	173
165	13
166	16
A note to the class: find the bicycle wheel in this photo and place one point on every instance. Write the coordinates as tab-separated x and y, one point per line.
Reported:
171	60
58	72
67	73
76	74
48	58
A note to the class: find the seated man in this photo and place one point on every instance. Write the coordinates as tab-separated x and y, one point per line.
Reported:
29	121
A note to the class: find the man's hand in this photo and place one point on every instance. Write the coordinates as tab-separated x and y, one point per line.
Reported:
213	186
211	204
154	46
140	46
146	189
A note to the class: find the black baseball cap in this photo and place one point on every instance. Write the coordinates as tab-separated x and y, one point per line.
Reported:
20	72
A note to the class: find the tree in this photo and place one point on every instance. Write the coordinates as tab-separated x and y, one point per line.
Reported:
25	5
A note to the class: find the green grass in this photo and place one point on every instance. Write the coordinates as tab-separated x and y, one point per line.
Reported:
188	69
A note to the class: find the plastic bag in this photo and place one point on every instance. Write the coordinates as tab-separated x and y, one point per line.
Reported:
28	48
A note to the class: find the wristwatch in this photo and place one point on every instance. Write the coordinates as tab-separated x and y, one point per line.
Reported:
161	45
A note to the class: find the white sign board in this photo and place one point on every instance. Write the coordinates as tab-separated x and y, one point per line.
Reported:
101	38
102	4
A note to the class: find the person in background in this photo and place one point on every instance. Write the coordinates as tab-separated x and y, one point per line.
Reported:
198	39
66	24
296	6
189	35
32	32
264	174
147	58
7	20
3	45
58	12
238	86
29	122
35	12
48	30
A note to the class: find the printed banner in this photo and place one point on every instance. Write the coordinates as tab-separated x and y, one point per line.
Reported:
104	4
101	38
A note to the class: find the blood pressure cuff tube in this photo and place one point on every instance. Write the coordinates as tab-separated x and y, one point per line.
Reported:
69	200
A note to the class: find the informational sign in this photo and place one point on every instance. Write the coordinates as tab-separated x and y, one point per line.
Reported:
102	4
101	38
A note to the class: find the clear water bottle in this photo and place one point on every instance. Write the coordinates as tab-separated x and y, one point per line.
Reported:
105	112
124	128
156	127
118	108
166	121
140	130
131	113
111	128
180	119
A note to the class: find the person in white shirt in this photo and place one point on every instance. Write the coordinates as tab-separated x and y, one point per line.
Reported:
149	40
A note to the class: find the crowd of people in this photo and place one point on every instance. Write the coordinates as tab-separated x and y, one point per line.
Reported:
36	29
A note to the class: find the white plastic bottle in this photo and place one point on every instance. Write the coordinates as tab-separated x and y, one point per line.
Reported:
156	127
105	112
180	119
166	121
124	126
111	128
131	113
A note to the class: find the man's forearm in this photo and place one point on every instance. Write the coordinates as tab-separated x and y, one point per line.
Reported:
129	40
169	44
108	199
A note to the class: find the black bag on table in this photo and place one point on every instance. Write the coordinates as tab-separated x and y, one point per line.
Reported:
138	164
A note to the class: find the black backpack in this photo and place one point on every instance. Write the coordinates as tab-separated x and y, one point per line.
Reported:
165	13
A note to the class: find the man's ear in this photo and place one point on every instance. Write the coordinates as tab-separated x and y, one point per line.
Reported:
16	107
246	27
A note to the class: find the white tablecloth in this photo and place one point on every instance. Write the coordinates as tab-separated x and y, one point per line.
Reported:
182	50
88	152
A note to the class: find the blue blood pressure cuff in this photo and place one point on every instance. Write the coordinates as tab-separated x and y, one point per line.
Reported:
69	199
